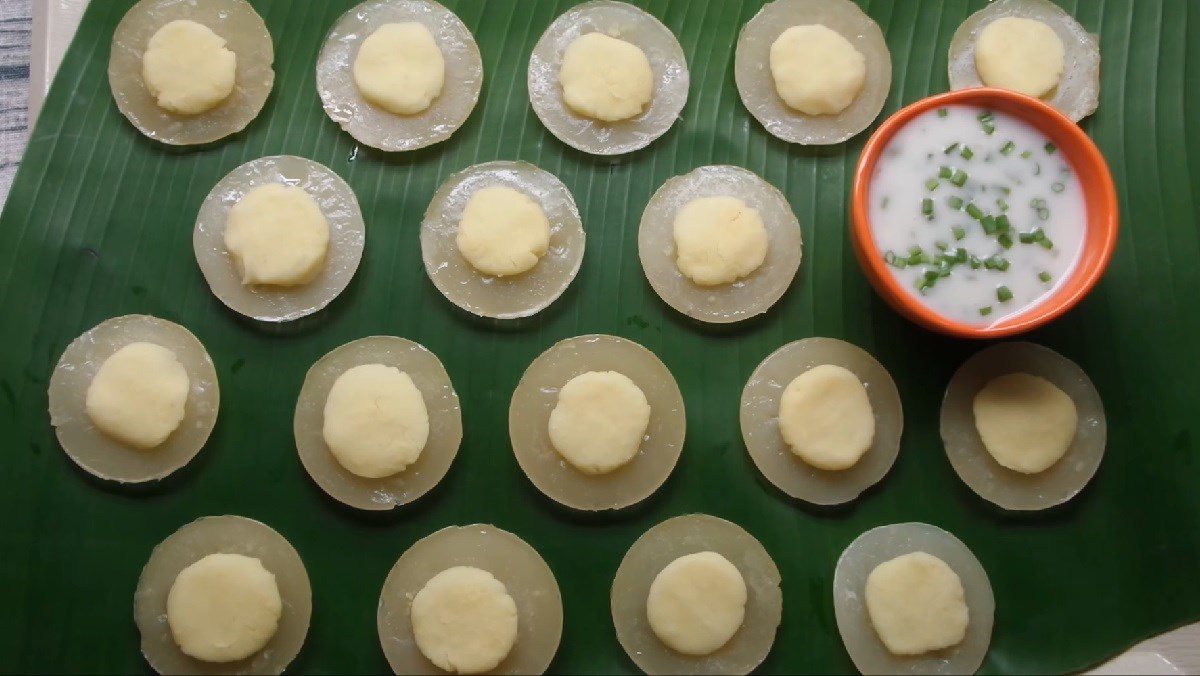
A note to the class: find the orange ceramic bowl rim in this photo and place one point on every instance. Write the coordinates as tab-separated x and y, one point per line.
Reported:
1100	199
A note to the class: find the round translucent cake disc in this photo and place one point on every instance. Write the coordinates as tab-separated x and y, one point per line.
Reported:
245	35
678	537
756	84
222	535
93	450
526	577
1078	92
749	296
883	544
268	303
374	126
774	458
512	296
976	466
537	395
441	402
625	22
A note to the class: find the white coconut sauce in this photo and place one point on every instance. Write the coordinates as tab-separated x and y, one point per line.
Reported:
976	212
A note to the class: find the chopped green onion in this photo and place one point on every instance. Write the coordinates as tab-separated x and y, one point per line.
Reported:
1003	294
951	148
1046	243
1007	148
942	246
942	112
1058	187
927	207
945	172
974	211
1005	240
1002	204
960	255
915	250
1026	238
1003	265
1002	224
889	257
1037	203
985	311
989	127
1043	214
901	263
985	116
967	153
1026	154
1050	148
955	202
931	184
959	178
975	263
958	232
1044	276
989	225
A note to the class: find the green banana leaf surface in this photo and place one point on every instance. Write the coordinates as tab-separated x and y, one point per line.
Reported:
99	224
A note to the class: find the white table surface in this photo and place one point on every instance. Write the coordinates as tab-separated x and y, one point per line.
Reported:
54	23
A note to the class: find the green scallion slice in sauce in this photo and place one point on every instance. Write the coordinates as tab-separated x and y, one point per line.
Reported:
955	202
942	246
958	232
942	112
1046	243
1007	148
927	207
931	184
974	211
1050	148
1026	154
967	153
1005	240
1002	204
1058	187
960	255
1002	223
974	262
985	311
945	172
951	148
1003	294
1044	276
959	178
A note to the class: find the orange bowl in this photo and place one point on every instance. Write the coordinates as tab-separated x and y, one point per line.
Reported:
1100	199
